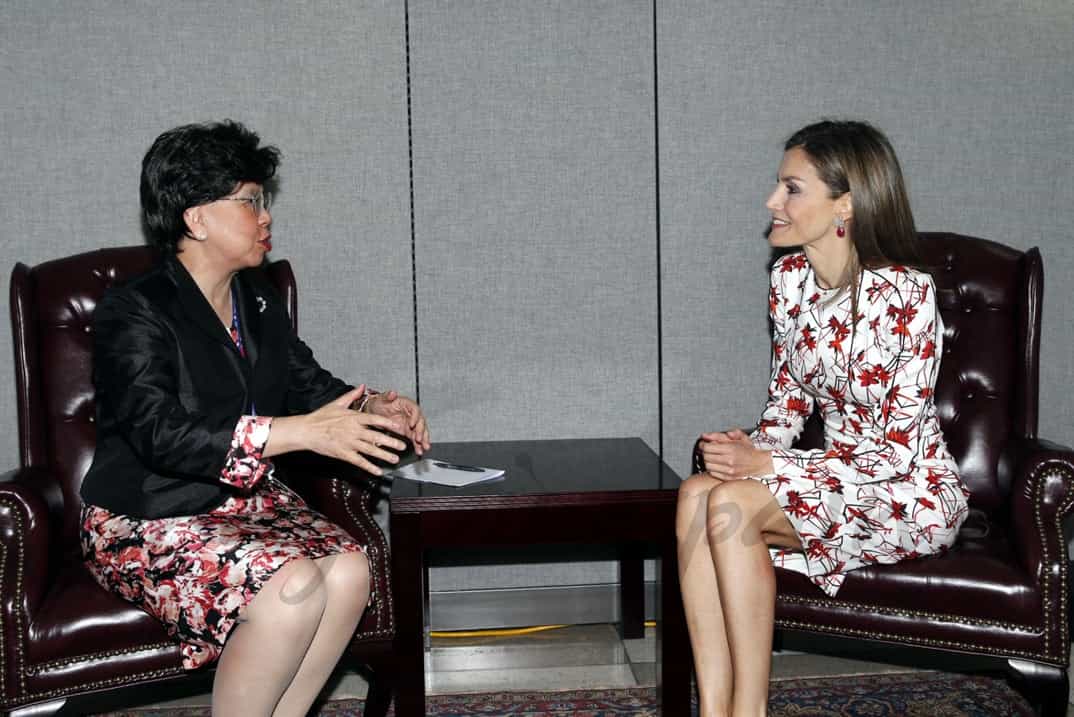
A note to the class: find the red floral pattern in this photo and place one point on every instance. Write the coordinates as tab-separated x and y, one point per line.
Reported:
243	466
884	488
197	573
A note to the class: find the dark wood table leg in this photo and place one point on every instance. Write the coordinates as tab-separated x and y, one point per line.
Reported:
426	627
631	592
408	574
673	655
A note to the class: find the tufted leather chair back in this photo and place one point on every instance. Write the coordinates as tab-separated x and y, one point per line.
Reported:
987	390
52	321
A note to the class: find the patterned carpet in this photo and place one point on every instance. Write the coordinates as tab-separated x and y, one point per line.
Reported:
919	694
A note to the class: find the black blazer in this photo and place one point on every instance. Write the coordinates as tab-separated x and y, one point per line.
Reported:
171	386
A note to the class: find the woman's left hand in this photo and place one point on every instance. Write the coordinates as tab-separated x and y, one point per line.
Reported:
391	404
730	455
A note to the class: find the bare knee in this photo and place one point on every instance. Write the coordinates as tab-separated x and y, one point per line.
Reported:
303	580
743	508
693	495
697	486
727	511
347	580
295	595
694	492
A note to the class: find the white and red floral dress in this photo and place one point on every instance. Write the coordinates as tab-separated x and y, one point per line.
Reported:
884	488
197	573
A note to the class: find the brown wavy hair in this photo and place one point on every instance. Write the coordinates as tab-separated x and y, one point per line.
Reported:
855	157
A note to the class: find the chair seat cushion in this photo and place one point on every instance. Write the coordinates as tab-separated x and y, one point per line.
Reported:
977	580
80	621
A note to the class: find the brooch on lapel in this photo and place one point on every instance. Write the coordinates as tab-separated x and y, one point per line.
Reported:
260	305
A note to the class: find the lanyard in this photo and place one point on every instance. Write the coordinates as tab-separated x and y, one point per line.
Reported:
236	335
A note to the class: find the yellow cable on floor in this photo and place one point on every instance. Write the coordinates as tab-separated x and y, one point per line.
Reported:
497	633
511	632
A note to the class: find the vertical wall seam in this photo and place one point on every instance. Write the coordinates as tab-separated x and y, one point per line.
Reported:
410	173
659	267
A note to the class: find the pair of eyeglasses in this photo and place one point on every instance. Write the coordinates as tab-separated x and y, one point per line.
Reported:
258	203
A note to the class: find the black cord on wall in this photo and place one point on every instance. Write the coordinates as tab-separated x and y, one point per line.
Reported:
410	162
659	291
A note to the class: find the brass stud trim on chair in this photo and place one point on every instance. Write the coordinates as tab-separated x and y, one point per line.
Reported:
3	667
20	559
385	622
1035	483
96	684
901	612
1064	594
924	641
1038	484
40	667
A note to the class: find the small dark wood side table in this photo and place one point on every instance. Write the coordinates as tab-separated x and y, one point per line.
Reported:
586	491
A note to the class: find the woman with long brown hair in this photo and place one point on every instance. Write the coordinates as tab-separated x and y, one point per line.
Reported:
857	336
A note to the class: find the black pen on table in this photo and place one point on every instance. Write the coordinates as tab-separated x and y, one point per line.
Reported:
457	467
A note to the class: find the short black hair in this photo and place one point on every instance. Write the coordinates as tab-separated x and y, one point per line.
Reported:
196	164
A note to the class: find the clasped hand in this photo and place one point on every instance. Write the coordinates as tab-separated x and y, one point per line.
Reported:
337	431
730	455
391	404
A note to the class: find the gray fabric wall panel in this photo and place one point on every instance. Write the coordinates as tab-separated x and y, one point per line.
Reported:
86	92
533	130
976	101
534	214
535	229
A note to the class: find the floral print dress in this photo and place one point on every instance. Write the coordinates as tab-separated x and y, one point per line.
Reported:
884	488
197	573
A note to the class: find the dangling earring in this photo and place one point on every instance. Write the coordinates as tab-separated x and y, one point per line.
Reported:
840	227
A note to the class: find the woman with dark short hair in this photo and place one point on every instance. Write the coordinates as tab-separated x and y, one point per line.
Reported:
858	336
199	383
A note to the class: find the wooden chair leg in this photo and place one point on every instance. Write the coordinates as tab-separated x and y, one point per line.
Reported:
1046	687
379	696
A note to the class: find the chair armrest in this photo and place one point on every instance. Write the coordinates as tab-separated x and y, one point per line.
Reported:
28	497
343	493
340	491
1042	494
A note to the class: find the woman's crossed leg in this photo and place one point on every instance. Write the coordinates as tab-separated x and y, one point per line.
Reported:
277	659
723	529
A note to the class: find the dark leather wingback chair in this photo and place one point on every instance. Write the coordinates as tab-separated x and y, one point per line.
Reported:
1002	590
65	643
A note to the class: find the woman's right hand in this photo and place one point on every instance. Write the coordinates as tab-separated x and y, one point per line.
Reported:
336	431
730	455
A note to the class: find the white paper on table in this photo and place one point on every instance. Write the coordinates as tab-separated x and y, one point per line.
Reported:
444	472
